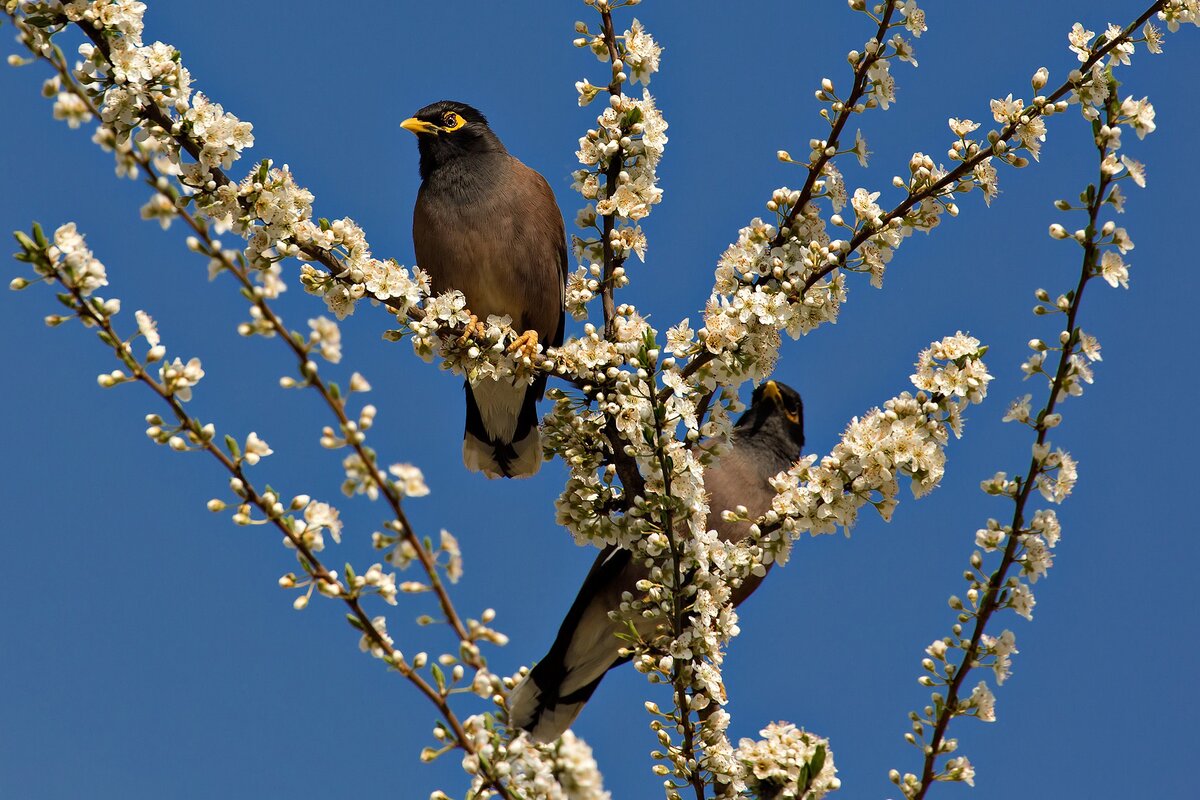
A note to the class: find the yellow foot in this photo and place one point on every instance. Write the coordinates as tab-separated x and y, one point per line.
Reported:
473	328
526	345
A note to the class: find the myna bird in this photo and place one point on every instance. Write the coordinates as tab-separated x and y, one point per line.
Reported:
767	439
487	225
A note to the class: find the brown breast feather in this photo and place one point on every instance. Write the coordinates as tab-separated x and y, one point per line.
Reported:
500	242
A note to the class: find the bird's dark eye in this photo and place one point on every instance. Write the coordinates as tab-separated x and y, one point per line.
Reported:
452	121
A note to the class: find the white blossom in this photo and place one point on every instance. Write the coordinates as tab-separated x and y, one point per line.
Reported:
327	338
983	702
774	764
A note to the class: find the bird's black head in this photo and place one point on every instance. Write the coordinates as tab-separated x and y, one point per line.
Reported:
447	130
775	420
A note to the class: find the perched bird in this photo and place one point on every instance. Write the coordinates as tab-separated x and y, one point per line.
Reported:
767	438
487	225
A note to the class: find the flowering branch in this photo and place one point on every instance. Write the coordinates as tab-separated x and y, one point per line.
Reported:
68	263
268	323
611	176
824	151
929	188
1026	544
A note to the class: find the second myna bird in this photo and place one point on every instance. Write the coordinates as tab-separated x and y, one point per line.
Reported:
767	439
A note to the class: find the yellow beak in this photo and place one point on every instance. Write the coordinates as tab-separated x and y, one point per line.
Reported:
771	390
418	126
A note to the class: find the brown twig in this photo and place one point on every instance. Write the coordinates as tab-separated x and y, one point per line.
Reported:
991	599
468	648
334	404
611	178
308	559
856	92
936	189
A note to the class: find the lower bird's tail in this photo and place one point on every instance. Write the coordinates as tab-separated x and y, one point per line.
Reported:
501	437
534	705
551	696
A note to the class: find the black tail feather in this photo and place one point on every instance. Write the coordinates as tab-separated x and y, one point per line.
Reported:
504	454
549	674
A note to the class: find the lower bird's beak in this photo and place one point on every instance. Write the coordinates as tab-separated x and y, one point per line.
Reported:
771	390
418	126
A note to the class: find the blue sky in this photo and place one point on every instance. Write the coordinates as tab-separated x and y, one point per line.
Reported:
147	650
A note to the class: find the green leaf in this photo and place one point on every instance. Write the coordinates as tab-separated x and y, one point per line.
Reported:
817	762
39	235
355	622
232	445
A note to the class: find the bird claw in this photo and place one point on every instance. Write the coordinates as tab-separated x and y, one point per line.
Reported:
473	328
526	344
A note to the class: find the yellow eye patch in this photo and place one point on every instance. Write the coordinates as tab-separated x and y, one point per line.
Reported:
452	121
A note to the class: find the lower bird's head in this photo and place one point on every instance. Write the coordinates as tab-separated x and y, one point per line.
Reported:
775	418
447	130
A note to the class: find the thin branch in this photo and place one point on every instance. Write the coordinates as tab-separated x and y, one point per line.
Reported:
611	178
936	189
308	559
335	405
856	92
469	650
991	600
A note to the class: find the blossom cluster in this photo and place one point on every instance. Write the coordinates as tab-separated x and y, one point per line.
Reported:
69	256
619	159
563	770
904	439
788	763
